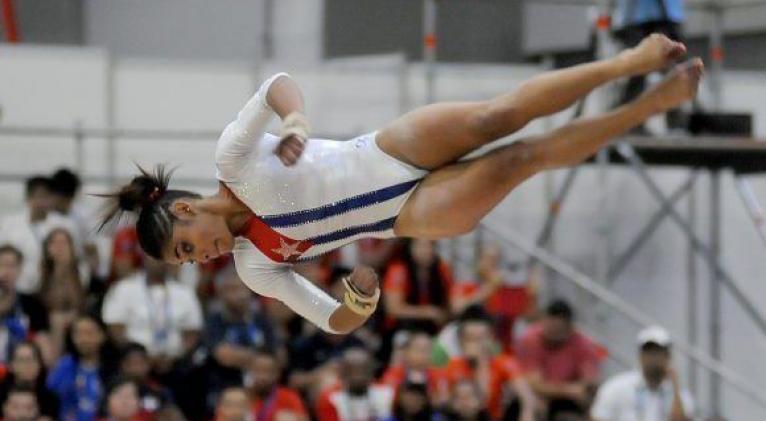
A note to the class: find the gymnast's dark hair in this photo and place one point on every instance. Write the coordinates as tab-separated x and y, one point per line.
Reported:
148	196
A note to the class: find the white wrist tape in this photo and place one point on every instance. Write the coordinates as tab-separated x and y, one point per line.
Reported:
357	301
295	124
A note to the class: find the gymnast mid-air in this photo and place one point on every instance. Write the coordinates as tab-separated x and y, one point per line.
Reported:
289	198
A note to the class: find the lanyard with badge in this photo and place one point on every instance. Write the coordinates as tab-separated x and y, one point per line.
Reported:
87	389
160	330
269	406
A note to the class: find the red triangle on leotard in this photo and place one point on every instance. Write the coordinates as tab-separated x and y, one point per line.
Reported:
274	245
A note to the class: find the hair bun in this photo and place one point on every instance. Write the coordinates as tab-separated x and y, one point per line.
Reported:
143	191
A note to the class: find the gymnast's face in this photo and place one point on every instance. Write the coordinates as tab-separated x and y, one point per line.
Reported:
198	235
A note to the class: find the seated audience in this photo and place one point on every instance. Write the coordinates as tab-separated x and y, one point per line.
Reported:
416	289
497	374
235	327
356	398
78	378
26	230
653	392
561	363
23	317
507	292
412	401
415	360
268	400
21	405
156	311
121	402
135	365
233	405
27	370
63	285
466	403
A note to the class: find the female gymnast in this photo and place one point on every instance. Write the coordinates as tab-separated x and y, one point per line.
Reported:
284	199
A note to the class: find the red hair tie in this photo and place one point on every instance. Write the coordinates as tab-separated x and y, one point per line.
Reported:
153	196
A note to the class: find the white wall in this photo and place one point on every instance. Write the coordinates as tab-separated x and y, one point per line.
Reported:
55	87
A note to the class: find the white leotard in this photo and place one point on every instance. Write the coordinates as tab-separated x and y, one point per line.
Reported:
338	192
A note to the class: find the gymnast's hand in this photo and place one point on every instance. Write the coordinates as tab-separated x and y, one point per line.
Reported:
295	133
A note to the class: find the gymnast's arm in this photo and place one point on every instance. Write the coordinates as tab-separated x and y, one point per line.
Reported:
306	299
278	94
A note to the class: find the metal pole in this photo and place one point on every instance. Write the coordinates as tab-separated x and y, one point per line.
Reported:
692	297
109	116
429	47
752	205
79	147
509	236
715	287
716	53
626	256
733	286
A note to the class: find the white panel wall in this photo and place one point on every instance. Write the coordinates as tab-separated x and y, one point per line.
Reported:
54	88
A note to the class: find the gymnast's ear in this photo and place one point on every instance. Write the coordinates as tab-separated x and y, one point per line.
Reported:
184	208
215	205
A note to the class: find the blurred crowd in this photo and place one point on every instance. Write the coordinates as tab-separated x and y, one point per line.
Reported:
87	335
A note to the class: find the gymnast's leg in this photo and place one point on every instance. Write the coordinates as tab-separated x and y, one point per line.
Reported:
439	134
452	200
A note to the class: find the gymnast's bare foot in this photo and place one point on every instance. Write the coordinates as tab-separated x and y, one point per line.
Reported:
678	87
654	53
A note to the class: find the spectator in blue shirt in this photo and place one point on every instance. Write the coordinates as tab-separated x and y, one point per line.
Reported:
236	326
633	20
79	376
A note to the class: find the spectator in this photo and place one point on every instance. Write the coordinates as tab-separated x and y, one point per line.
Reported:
417	289
233	405
378	253
413	402
356	398
65	186
416	361
651	393
62	290
562	364
508	295
466	403
22	317
636	19
21	405
127	257
497	375
26	230
313	357
235	327
268	400
79	376
158	312
135	366
121	403
26	370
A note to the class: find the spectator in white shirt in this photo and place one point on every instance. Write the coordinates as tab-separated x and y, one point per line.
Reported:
156	311
27	229
652	393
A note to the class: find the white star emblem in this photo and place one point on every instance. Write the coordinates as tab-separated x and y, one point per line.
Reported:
287	250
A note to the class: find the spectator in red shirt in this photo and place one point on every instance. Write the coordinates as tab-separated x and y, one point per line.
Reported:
497	375
416	361
21	405
416	289
233	405
268	400
127	257
562	364
356	398
508	295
